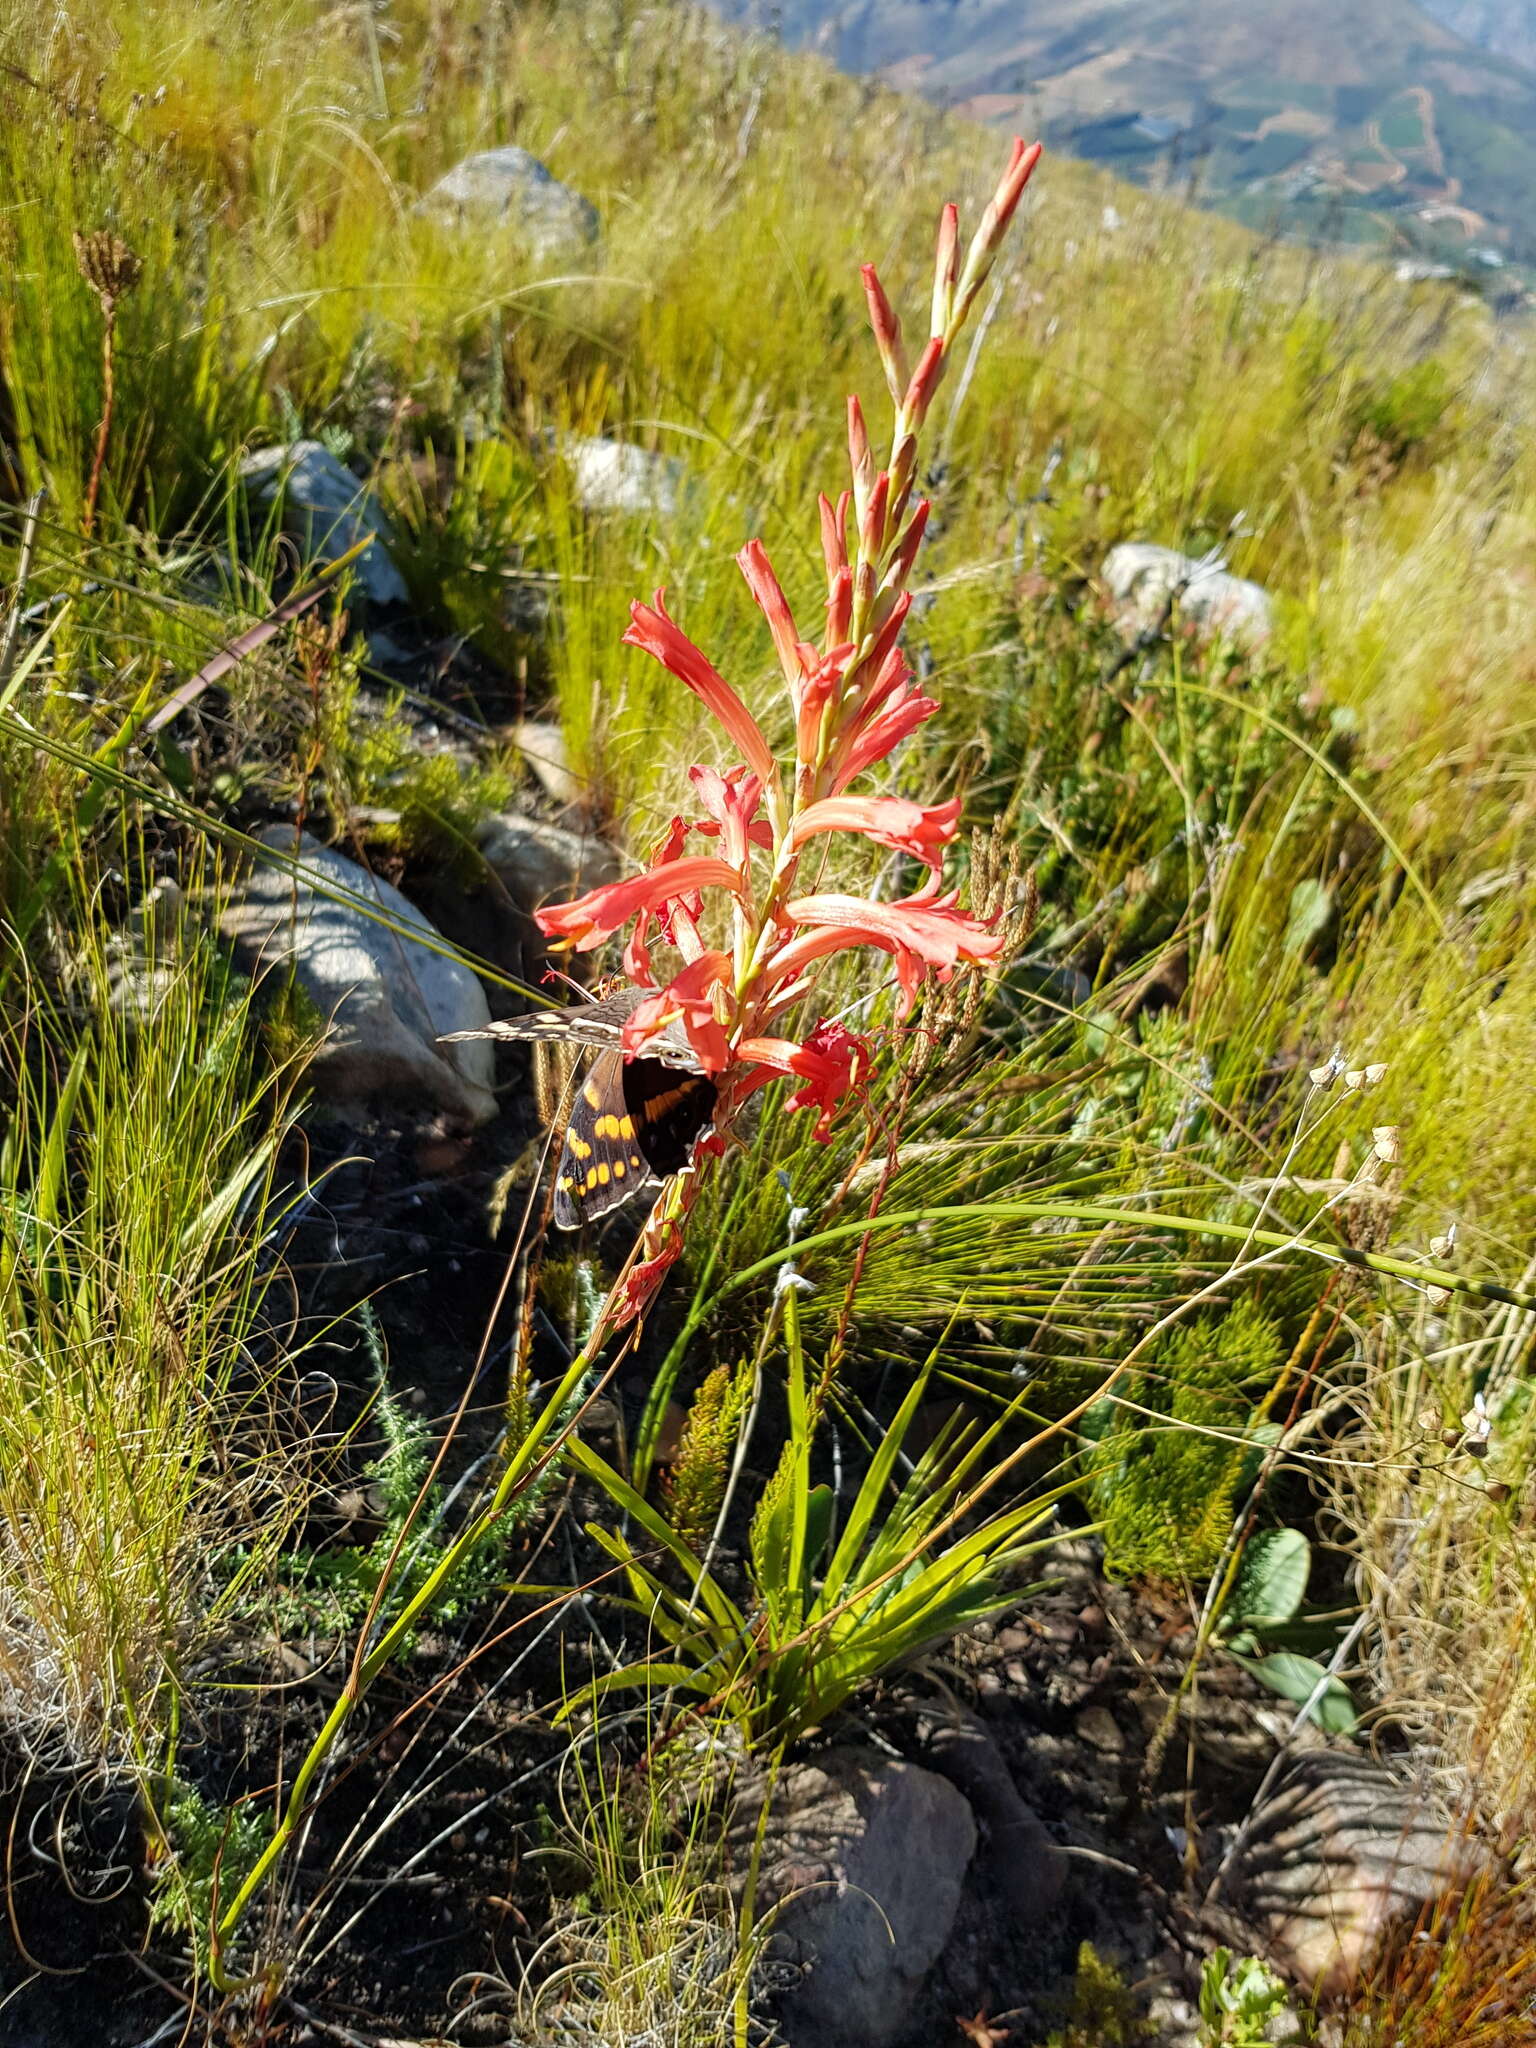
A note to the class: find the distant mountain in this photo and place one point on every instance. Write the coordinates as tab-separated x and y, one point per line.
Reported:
1507	28
1370	121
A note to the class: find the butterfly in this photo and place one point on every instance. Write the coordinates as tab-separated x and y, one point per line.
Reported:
631	1120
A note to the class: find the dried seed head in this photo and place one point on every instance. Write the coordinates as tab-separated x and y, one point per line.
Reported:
1450	1437
1437	1297
1475	1447
1387	1143
1430	1421
1325	1075
1442	1247
108	266
1497	1492
1376	1073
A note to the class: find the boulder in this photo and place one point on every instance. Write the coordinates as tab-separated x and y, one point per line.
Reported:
508	190
1141	578
326	510
863	1863
386	998
613	476
538	863
1339	1855
1027	1867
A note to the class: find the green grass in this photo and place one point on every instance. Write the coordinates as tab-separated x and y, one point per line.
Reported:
1246	863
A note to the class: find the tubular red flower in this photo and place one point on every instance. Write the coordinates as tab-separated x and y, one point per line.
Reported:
861	463
663	1245
881	735
590	919
911	828
834	534
945	268
925	381
887	332
764	585
651	630
731	801
832	1062
689	998
924	932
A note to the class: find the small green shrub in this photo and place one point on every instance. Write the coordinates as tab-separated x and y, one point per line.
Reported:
1164	1480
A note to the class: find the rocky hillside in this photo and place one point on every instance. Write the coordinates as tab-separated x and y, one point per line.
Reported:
1383	123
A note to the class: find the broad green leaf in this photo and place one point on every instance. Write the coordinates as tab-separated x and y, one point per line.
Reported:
1297	1678
1272	1579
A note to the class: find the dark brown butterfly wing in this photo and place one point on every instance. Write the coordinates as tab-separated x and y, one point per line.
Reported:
630	1120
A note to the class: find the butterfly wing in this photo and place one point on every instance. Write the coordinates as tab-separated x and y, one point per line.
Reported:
630	1120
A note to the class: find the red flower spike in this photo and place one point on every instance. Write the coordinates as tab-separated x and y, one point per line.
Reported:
891	820
651	630
597	915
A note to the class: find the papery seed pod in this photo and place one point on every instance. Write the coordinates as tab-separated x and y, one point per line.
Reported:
108	266
1430	1421
1442	1247
1437	1297
1324	1076
1375	1074
1387	1141
1354	1079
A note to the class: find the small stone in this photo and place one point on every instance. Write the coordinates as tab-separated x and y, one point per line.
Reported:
1141	578
613	476
509	191
1098	1727
326	509
542	746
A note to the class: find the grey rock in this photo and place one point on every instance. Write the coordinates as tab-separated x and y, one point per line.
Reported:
864	1861
538	863
613	476
385	997
1342	1852
509	190
1026	1865
1140	579
327	511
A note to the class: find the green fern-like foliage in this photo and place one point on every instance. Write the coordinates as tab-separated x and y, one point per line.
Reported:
1103	2012
1164	1481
